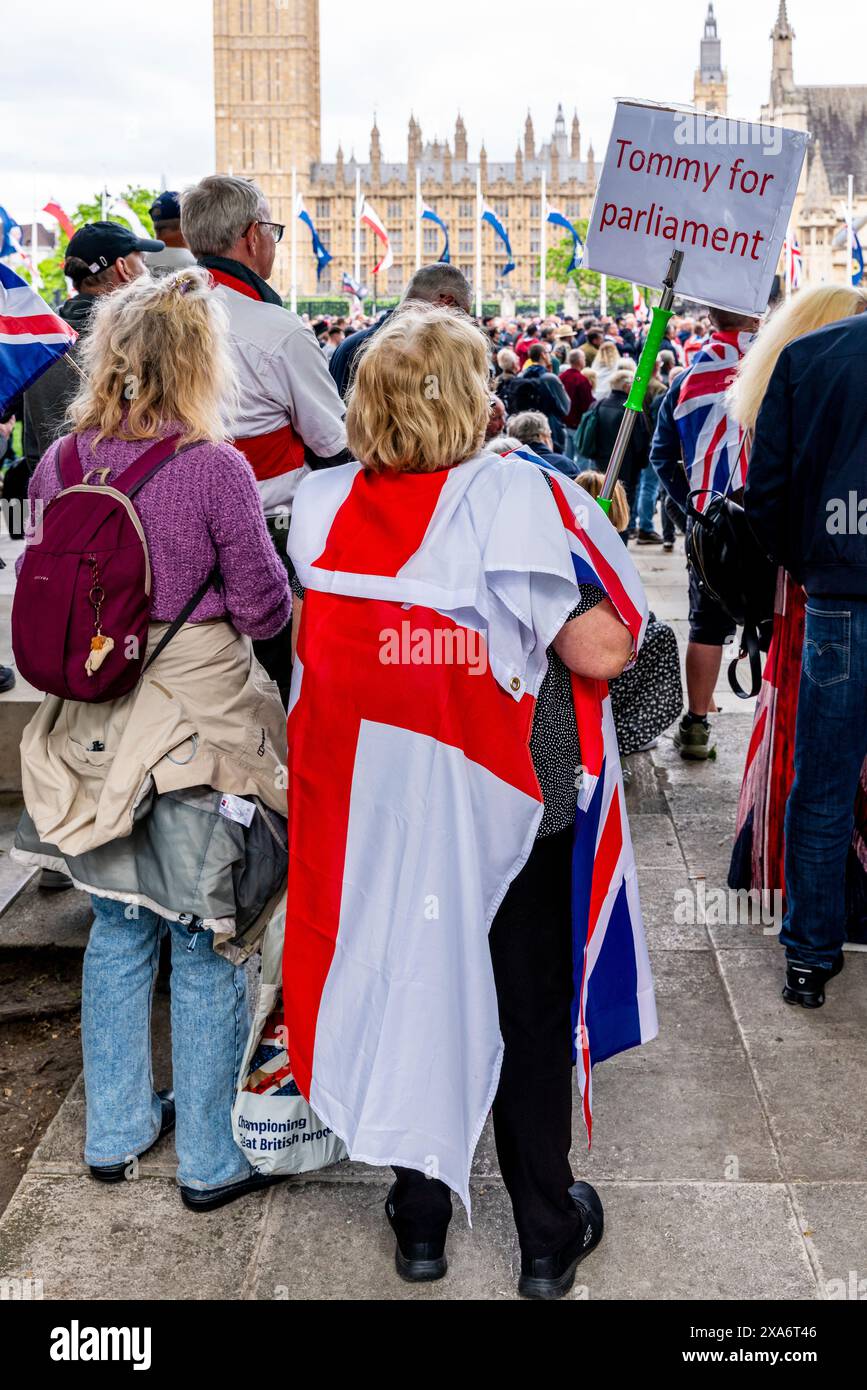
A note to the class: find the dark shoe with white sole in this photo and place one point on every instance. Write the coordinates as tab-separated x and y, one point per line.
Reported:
117	1172
552	1276
420	1261
805	984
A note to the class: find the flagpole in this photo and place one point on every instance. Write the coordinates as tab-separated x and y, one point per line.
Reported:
478	243
603	295
543	245
850	229
417	218
293	293
358	230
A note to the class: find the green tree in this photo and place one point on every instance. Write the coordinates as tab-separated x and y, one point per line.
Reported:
51	269
587	281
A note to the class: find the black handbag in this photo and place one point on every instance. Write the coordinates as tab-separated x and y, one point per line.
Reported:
732	568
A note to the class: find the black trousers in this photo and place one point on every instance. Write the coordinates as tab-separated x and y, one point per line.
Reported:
531	952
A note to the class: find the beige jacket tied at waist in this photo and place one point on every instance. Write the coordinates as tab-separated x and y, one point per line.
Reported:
205	714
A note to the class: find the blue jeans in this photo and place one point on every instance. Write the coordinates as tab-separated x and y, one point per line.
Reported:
644	506
210	1023
830	747
569	446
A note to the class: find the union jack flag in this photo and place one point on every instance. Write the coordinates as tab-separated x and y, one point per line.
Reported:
31	337
353	287
714	445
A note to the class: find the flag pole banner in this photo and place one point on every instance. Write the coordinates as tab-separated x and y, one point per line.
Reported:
32	338
718	189
406	832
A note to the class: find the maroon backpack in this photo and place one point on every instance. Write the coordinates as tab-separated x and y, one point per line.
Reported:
82	602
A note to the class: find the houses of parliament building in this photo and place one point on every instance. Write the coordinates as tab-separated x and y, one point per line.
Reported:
268	121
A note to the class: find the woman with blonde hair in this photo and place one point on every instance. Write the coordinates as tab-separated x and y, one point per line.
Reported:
759	850
607	364
428	951
165	803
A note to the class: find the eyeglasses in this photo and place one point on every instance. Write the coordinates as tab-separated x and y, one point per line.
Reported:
276	229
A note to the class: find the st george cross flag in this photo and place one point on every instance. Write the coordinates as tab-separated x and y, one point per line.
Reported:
414	802
31	337
715	447
369	217
793	262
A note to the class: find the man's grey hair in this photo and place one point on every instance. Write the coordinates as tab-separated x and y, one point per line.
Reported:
433	281
217	211
529	427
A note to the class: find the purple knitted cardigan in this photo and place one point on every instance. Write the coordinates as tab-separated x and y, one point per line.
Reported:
200	508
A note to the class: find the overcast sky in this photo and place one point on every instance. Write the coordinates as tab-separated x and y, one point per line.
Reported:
97	92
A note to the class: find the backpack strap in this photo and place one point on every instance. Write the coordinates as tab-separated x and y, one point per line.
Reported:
186	612
146	465
68	463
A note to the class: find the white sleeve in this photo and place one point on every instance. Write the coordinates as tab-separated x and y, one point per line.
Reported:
300	375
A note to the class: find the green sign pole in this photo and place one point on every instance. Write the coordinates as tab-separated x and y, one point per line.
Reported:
646	365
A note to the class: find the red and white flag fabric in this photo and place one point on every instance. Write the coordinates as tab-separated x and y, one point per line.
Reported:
369	217
431	601
32	338
715	447
56	211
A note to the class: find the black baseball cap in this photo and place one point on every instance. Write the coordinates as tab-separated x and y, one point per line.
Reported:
99	244
166	208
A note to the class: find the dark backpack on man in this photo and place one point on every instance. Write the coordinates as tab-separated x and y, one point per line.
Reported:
528	393
731	567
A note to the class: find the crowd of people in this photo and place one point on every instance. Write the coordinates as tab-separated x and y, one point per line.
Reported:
240	434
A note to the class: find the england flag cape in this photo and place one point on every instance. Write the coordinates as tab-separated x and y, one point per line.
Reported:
430	602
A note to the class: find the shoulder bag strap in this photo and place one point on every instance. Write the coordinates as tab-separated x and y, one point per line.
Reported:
187	611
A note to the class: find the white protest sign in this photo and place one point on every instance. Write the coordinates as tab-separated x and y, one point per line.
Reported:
717	189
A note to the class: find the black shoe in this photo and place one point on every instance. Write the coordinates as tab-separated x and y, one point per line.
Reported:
7	679
668	546
552	1276
116	1172
649	538
211	1198
421	1261
805	984
53	881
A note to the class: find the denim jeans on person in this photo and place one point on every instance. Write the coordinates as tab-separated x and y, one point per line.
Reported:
569	446
210	1022
644	505
830	747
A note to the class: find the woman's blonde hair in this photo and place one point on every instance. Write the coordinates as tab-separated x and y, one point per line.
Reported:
607	356
803	313
157	354
421	397
592	481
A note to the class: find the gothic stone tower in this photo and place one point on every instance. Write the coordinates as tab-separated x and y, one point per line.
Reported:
266	92
710	91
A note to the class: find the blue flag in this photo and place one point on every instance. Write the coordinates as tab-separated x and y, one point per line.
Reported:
857	259
9	247
489	216
322	255
428	214
559	219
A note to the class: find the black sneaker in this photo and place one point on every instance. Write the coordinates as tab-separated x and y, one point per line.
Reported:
552	1276
805	984
421	1261
116	1172
649	538
7	679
